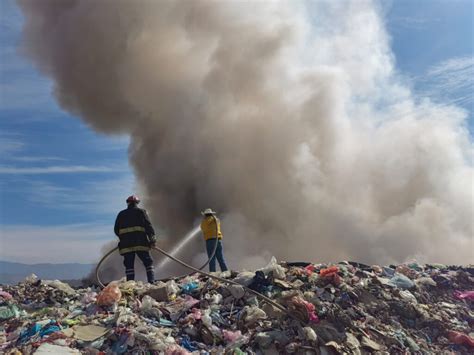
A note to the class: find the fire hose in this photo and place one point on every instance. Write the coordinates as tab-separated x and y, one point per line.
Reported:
200	271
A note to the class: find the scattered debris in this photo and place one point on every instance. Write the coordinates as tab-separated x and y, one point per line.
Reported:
332	309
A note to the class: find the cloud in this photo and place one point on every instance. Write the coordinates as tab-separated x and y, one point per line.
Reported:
10	145
11	17
413	23
110	143
57	244
72	169
30	159
21	87
450	81
102	197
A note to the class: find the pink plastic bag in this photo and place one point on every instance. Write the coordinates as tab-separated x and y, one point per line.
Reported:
309	269
189	301
300	303
110	295
196	313
230	336
5	295
464	295
460	338
89	297
176	350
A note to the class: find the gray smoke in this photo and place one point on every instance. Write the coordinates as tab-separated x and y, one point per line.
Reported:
286	117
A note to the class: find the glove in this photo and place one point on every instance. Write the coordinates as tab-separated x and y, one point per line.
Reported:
152	241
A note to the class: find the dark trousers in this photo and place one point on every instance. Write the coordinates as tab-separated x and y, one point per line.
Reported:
219	255
129	263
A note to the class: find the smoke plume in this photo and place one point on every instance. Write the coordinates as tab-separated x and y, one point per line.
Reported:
288	118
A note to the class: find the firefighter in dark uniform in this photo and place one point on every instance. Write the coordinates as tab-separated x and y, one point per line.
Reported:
137	236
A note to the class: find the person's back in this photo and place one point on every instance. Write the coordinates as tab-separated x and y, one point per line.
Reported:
211	227
136	235
211	230
133	228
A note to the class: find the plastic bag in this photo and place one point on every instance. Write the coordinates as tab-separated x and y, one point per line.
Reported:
309	269
408	296
60	286
120	346
425	281
148	309
147	303
415	266
401	281
172	287
304	309
310	334
47	348
377	269
188	344
331	273
176	350
216	298
278	271
5	295
29	332
89	297
328	271
460	338
110	295
464	295
189	287
230	336
236	291
8	311
206	317
196	313
405	270
253	314
50	328
245	278
260	282
190	302
263	339
31	279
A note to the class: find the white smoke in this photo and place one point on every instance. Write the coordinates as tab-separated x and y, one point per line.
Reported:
288	118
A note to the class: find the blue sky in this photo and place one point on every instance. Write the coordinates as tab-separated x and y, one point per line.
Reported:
63	183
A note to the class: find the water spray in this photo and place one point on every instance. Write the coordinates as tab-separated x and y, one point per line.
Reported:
176	250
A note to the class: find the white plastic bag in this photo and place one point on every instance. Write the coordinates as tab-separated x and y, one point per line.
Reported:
245	278
273	267
206	318
172	287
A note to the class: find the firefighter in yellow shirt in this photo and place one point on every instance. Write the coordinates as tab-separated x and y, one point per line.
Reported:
211	230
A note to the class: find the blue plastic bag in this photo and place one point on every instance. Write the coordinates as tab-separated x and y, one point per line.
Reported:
401	281
189	287
188	344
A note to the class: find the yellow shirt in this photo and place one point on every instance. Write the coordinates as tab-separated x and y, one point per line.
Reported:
208	227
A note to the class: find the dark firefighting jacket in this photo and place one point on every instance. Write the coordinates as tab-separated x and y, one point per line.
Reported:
134	229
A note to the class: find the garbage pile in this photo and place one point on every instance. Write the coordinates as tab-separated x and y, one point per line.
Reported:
344	308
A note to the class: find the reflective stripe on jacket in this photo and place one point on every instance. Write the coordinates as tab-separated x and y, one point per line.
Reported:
208	227
131	229
134	229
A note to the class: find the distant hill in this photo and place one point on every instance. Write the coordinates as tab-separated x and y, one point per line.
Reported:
12	273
